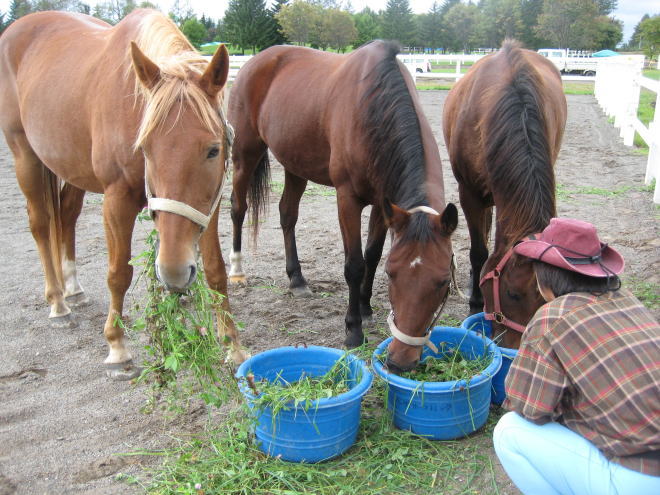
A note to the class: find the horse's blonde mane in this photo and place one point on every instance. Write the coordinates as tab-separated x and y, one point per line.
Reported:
160	40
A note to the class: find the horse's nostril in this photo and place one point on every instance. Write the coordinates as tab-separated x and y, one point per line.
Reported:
193	274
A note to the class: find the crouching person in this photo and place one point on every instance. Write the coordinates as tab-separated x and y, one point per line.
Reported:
584	389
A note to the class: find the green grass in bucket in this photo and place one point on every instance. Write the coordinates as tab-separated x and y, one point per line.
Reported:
449	366
281	395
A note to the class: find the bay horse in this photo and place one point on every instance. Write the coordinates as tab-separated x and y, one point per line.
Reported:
130	111
503	125
352	122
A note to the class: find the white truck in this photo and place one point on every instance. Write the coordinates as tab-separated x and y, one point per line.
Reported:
570	62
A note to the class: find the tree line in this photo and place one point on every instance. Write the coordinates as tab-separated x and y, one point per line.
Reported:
448	26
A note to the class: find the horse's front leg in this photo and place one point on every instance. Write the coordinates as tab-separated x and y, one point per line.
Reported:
120	207
216	277
350	208
71	201
294	187
478	219
372	254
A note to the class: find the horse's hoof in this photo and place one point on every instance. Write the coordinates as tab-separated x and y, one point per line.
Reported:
122	371
353	341
238	280
65	321
238	356
77	300
301	291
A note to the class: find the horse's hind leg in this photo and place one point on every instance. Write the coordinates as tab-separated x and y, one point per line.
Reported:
294	187
40	188
71	200
245	160
372	254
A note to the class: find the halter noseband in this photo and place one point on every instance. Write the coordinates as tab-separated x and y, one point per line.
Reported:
495	274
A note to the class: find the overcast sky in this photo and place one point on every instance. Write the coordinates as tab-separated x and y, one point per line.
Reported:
628	11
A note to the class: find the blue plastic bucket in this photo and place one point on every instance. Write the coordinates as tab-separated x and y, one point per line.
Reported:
325	429
479	324
442	410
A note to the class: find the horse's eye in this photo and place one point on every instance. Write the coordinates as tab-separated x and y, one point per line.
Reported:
213	152
441	285
515	297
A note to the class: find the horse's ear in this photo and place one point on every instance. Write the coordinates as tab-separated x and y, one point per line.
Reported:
147	72
395	217
449	219
215	75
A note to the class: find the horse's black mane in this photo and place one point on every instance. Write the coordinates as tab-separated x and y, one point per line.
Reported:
397	164
518	153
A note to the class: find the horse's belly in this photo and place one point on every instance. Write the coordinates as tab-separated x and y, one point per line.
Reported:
307	160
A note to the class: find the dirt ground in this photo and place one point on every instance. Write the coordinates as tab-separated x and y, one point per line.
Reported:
61	419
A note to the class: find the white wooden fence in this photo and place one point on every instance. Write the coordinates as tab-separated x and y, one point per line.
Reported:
618	84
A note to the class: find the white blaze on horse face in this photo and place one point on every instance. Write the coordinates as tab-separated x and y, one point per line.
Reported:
71	285
415	262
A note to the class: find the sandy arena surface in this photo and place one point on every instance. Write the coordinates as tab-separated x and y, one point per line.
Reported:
61	419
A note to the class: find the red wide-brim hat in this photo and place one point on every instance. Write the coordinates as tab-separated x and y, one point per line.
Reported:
572	245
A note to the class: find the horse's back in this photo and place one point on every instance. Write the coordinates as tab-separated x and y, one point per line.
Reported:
470	106
64	85
301	103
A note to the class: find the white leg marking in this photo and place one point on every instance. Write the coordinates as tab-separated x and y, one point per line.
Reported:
118	354
236	270
71	284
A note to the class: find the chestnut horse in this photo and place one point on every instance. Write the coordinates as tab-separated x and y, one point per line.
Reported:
503	124
84	104
352	122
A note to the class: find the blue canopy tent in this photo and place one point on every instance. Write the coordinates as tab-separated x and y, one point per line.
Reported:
605	53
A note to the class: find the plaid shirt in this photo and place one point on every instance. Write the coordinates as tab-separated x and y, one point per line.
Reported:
592	363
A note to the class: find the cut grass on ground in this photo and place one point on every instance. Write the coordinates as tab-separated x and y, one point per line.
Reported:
384	460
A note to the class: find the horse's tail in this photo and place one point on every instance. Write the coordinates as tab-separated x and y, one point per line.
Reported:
518	150
258	193
52	189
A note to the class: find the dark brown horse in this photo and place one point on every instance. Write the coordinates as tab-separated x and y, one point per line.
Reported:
503	125
352	122
84	104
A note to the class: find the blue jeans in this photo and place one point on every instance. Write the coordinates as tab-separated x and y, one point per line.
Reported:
553	460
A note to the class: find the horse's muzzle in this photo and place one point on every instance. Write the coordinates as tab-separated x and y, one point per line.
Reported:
176	280
395	368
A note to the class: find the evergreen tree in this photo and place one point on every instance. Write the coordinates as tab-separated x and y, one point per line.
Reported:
246	23
274	35
367	25
431	32
398	22
530	11
500	19
17	9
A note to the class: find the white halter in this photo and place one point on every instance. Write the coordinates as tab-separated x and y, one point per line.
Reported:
407	339
183	209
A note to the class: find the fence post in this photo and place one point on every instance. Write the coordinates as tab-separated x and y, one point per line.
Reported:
630	102
653	163
458	69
